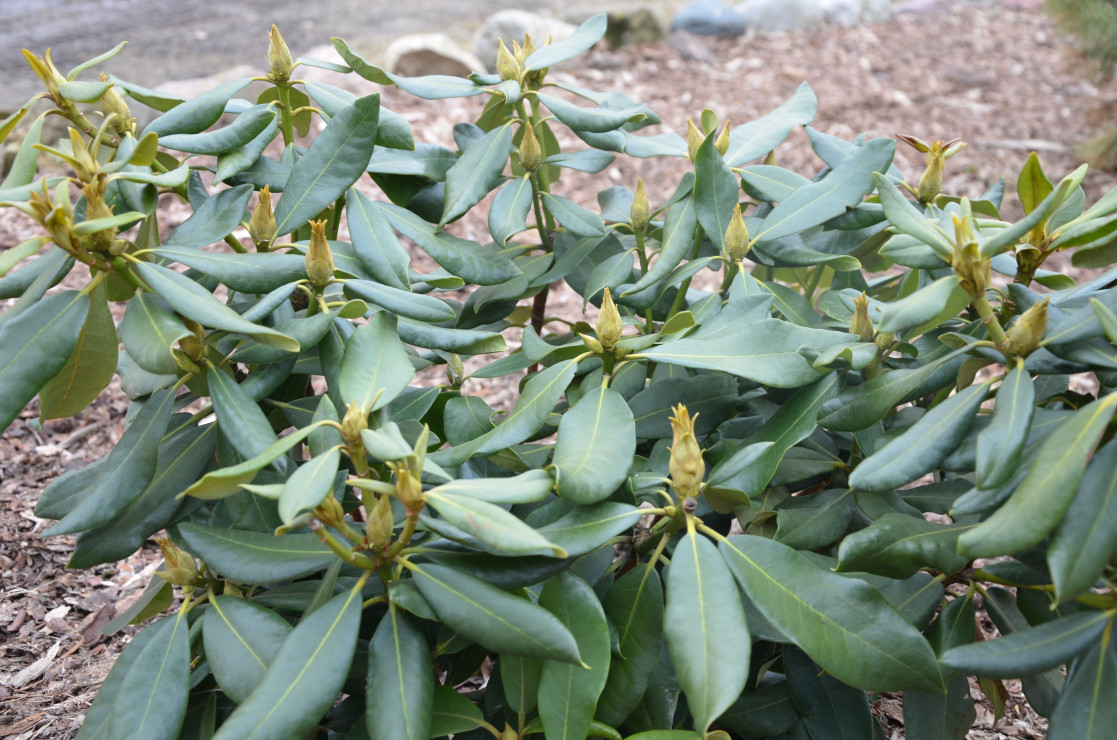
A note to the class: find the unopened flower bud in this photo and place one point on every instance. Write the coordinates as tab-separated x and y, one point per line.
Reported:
455	371
380	523
861	324
1024	336
509	733
181	568
354	423
113	104
530	153
609	323
694	138
930	183
319	260
523	52
686	466
638	212
262	226
329	512
506	64
592	344
770	158
884	339
279	57
409	489
722	142
736	236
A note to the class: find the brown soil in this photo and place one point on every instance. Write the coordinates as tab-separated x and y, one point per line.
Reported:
1002	79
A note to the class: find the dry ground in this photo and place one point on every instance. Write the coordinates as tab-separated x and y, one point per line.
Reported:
1000	78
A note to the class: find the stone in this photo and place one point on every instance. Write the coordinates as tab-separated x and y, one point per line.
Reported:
709	18
511	25
429	54
632	27
799	15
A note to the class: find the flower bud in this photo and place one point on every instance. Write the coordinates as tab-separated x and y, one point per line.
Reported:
861	324
509	733
506	64
45	70
523	52
686	466
638	212
181	568
112	103
319	260
884	339
530	153
409	489
722	142
262	226
592	344
355	422
930	183
694	138
455	371
1024	336
279	57
736	236
770	158
609	323
380	523
329	512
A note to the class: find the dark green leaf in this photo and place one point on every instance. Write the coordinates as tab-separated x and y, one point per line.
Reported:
1085	540
401	302
400	683
508	214
309	485
634	603
490	524
715	191
375	243
830	708
240	419
256	557
1029	651
151	700
194	115
375	368
246	127
898	545
585	36
90	367
241	640
593	438
476	173
999	445
1086	710
452	713
760	136
587	528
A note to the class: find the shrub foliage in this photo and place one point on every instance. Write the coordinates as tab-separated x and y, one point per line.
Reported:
815	425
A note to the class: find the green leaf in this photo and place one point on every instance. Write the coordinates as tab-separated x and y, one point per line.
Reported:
906	218
90	367
584	37
227	481
1086	710
677	241
1040	500
240	419
593	438
476	172
634	604
463	258
151	700
246	127
923	446
256	557
1085	540
761	135
898	545
844	624
232	163
587	528
335	161
375	243
303	681
453	713
716	191
814	521
592	120
999	445
415	306
585	160
39	342
191	300
843	187
771	183
23	169
493	618
940	300
765	351
519	678
538	399
793	422
309	485
375	367
508	214
127	470
213	220
194	115
1032	186
241	641
704	624
502	531
830	708
1029	651
400	683
768	711
568	693
573	217
255	272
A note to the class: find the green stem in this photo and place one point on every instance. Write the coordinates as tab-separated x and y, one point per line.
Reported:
989	318
121	267
286	119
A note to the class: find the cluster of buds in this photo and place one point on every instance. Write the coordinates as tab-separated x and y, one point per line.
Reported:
1024	336
967	261
608	327
511	64
930	184
861	324
262	226
190	354
117	112
381	524
687	467
181	570
319	259
695	136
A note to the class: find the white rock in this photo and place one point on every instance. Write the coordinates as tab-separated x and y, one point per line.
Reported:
429	54
799	15
511	25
